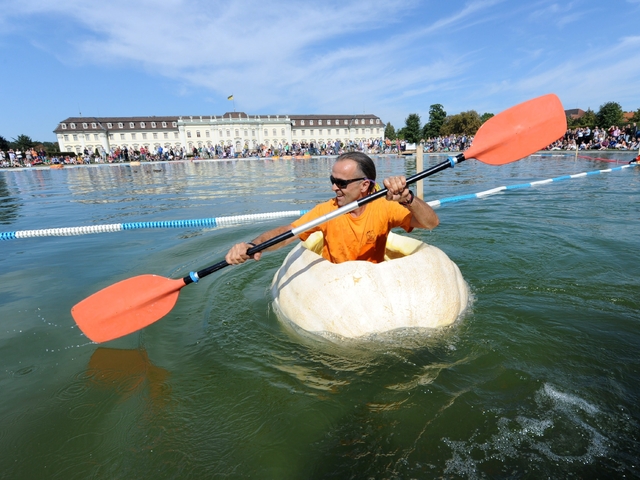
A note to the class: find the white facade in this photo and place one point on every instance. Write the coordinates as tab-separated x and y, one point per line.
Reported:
104	134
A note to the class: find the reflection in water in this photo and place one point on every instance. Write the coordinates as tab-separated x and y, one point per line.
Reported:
126	372
8	204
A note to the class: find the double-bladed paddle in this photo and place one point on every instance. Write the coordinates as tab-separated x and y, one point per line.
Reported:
137	302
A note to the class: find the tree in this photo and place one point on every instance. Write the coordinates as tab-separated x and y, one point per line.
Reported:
436	119
412	128
610	114
390	132
466	123
4	144
636	116
23	142
485	117
589	119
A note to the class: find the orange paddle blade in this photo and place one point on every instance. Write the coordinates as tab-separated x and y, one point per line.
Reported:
519	131
126	306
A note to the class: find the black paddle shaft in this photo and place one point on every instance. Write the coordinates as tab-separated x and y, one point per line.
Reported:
450	162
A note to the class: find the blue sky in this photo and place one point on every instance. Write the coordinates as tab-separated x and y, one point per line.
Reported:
386	57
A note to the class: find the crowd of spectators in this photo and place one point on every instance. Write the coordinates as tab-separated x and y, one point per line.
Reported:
616	138
582	138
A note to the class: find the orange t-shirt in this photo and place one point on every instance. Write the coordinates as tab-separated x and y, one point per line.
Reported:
357	238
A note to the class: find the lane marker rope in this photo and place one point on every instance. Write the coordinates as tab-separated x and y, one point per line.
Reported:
239	219
117	227
493	191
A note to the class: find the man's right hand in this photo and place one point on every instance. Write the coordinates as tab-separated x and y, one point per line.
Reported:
238	254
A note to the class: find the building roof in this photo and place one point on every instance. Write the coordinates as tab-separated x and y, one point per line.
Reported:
96	124
574	113
155	123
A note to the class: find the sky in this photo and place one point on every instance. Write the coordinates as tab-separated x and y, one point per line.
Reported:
389	58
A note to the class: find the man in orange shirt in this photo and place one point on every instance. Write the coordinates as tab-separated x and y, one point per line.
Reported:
362	233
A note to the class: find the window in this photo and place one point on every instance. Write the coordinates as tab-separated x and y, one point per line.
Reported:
73	125
274	132
93	125
109	125
132	125
133	136
310	122
111	136
319	122
66	138
228	133
198	133
144	136
378	121
153	124
246	132
122	136
120	125
371	121
164	124
346	122
220	133
302	132
155	136
175	134
253	133
95	137
166	134
293	122
63	126
356	121
301	122
207	133
237	132
84	125
188	133
282	132
175	124
266	132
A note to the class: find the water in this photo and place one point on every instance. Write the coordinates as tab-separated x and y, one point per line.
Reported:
539	379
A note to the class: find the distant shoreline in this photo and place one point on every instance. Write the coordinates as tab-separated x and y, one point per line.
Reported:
138	163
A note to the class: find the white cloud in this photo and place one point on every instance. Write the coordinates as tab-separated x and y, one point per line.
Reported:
389	57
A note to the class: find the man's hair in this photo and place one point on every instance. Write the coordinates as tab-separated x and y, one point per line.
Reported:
365	165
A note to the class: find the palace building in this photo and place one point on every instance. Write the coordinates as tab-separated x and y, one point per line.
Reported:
233	128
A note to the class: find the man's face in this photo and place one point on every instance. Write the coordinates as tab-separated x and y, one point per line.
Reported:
347	170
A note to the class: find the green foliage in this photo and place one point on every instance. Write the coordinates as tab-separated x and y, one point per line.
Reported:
589	119
466	123
436	119
610	114
51	148
4	144
636	116
390	132
23	142
412	128
485	117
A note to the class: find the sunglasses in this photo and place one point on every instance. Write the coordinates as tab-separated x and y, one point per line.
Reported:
340	183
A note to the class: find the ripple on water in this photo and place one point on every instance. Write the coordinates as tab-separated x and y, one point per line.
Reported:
567	431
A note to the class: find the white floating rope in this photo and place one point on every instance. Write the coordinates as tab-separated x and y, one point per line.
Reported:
239	219
493	191
117	227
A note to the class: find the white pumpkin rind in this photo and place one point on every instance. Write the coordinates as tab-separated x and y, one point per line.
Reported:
421	289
